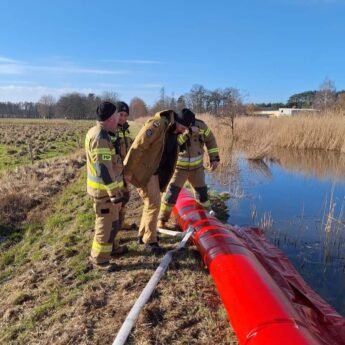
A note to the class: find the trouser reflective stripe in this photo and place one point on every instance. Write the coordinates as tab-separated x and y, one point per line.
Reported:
165	207
197	180
206	204
101	248
106	227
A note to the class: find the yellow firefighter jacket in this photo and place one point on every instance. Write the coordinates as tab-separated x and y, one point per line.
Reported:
104	166
122	140
192	144
144	156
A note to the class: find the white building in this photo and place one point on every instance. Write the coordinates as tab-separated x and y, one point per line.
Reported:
293	111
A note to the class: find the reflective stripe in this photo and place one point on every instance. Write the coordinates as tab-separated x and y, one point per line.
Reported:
101	248
101	151
187	159
207	132
165	208
97	183
127	135
215	150
191	164
101	186
205	204
91	165
180	139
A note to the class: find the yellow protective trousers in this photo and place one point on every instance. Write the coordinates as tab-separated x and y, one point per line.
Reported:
106	228
196	178
151	197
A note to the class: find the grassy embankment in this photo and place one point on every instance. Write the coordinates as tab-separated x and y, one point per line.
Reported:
51	294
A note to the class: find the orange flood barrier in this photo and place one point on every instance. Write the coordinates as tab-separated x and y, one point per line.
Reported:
267	301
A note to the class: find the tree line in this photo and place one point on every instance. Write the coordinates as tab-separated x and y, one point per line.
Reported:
225	102
326	97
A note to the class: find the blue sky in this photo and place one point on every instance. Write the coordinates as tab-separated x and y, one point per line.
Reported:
267	49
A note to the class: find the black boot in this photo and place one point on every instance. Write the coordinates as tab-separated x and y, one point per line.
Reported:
154	249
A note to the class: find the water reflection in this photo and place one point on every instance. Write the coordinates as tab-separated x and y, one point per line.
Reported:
298	199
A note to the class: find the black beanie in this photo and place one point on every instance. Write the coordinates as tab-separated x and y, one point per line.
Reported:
122	106
105	110
185	117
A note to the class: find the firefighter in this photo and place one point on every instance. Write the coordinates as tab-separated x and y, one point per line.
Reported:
149	166
189	166
104	184
126	141
122	141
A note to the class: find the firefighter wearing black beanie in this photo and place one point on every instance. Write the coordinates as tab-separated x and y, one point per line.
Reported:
104	185
105	110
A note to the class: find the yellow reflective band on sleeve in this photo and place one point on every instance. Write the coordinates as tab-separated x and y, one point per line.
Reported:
91	164
207	132
101	248
215	150
180	139
165	208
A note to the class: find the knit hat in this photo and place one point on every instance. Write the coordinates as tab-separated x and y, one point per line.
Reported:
122	106
185	117
105	110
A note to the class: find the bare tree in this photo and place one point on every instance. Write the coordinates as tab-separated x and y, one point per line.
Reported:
46	107
137	108
196	98
326	96
110	96
341	102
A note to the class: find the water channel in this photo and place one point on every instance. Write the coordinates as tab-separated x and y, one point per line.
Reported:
298	199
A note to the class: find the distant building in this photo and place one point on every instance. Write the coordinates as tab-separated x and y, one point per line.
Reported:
282	112
293	111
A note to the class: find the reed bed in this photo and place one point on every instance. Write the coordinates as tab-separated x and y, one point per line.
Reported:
320	131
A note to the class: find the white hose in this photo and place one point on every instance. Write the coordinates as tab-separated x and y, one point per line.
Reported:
133	315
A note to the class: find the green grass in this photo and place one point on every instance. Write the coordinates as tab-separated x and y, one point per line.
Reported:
10	157
10	160
63	235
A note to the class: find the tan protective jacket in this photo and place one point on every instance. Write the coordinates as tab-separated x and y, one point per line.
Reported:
104	166
143	158
192	147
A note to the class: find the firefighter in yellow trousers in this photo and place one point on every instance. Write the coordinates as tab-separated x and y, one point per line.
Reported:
189	166
104	184
122	141
149	166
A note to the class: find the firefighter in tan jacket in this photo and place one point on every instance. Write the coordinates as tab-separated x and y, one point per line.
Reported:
104	184
149	166
190	166
122	141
